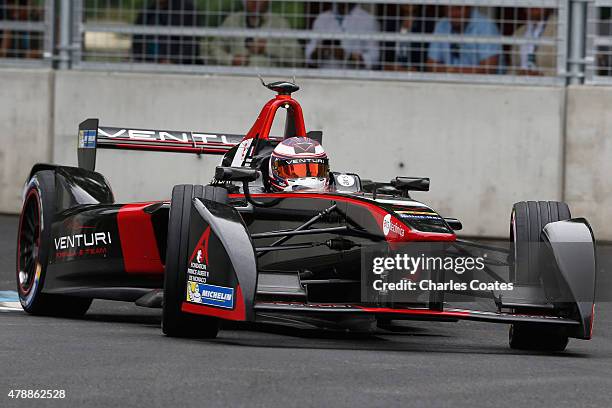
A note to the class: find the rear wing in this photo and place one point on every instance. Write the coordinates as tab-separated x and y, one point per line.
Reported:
92	136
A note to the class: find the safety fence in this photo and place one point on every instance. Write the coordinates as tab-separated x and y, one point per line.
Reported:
27	32
489	41
599	43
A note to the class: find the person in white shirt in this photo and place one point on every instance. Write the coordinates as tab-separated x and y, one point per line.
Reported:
531	58
335	54
254	51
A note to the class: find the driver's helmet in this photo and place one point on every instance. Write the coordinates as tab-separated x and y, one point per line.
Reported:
298	163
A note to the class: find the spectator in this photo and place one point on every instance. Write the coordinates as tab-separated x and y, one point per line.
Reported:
407	55
465	58
20	44
255	51
347	18
531	58
603	56
166	49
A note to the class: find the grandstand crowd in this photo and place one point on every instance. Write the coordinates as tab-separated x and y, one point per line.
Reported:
429	47
330	53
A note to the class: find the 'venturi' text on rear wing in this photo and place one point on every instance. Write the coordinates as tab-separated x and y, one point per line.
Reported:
92	136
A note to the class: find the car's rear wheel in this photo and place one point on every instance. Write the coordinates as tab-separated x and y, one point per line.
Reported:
34	242
175	322
529	263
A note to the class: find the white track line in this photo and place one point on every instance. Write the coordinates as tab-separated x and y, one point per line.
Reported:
10	307
9	302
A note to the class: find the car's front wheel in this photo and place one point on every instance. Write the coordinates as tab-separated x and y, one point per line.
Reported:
175	322
537	337
527	221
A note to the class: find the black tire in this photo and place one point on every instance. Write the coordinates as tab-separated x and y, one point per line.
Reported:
527	220
537	337
526	223
34	242
176	323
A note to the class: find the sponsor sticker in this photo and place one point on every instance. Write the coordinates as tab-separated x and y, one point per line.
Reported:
420	216
83	244
197	269
345	180
303	161
389	226
87	139
241	153
80	240
210	295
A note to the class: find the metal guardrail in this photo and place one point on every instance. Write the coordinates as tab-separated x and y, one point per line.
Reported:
598	61
374	31
204	34
27	33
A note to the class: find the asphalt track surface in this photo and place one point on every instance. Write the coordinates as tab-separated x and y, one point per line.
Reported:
117	356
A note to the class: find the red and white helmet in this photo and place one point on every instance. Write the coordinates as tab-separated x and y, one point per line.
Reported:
298	163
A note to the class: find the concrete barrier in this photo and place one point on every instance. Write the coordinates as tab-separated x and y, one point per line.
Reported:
588	188
484	147
26	119
171	102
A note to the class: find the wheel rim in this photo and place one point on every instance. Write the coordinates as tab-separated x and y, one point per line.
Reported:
29	243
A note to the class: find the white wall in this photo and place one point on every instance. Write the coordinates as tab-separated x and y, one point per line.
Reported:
25	129
588	182
171	102
484	147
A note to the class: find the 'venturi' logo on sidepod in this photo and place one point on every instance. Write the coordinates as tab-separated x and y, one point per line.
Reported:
389	226
80	240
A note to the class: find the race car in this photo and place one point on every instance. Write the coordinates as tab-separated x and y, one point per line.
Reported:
239	250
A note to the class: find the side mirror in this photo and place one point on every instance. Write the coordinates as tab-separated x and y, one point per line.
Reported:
315	135
411	183
241	174
346	182
454	223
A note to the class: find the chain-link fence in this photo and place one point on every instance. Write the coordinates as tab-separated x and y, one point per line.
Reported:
26	32
496	41
516	41
599	43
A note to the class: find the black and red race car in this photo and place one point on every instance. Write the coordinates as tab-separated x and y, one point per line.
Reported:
234	250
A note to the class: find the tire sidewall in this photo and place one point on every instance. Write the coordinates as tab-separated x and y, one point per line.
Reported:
45	193
178	235
175	322
527	220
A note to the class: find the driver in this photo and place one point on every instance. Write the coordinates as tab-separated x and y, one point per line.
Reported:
298	163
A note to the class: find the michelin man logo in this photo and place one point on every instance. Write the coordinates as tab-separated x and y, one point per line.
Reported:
199	256
193	292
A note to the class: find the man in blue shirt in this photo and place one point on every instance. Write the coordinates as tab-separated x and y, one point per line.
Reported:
465	58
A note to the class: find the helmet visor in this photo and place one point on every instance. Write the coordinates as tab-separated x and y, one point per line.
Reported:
301	168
